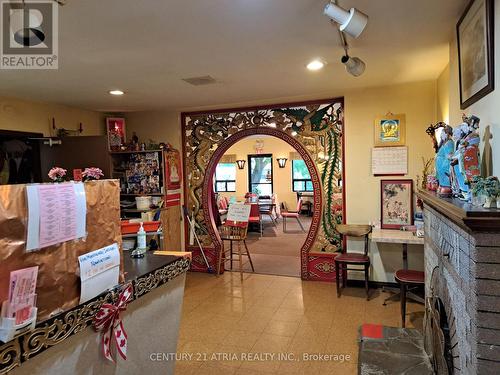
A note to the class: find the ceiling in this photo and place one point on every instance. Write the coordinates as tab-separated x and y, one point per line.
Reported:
255	49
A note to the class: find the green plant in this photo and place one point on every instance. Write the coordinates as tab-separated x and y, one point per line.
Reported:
489	186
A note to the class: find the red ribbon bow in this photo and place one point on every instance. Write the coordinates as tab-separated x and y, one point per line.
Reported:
109	322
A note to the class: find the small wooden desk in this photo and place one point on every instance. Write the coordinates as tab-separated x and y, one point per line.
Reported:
401	237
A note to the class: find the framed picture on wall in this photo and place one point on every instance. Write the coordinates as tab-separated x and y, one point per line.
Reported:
476	52
115	127
390	130
396	203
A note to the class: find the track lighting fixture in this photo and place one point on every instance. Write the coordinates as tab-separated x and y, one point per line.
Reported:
354	65
352	22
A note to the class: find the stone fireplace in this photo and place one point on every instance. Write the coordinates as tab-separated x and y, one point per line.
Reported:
462	266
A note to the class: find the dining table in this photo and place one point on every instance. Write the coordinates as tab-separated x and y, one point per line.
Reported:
404	238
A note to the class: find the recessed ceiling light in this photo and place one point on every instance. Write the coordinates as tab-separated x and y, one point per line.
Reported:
315	65
116	92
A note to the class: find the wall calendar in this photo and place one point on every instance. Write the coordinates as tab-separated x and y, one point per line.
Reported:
389	161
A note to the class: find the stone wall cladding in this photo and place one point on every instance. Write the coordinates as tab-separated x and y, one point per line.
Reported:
469	281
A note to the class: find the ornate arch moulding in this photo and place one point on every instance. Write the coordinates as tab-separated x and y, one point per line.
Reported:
315	129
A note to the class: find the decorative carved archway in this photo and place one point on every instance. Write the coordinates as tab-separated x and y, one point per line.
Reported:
314	129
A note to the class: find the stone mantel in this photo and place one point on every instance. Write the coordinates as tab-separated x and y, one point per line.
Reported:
465	215
462	272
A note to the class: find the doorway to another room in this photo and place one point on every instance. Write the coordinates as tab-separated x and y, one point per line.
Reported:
271	176
315	131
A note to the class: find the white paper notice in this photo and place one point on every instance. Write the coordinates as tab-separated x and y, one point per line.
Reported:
238	212
99	271
389	160
56	213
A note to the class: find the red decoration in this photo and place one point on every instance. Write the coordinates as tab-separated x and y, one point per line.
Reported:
77	174
109	322
372	331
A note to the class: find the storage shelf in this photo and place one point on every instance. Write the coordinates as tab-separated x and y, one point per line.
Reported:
133	152
142	194
135	210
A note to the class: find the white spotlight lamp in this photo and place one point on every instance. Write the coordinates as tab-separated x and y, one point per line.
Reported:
352	22
354	65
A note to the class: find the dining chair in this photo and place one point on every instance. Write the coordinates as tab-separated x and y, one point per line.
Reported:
234	232
307	205
255	216
223	205
292	214
269	210
346	258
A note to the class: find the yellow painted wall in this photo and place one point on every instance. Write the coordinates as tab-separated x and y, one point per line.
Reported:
486	108
418	102
443	96
160	126
282	177
29	116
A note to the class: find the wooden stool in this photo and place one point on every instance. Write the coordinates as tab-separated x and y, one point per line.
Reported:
408	278
234	232
345	259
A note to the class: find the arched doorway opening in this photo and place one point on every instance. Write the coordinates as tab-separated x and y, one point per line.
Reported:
208	196
314	128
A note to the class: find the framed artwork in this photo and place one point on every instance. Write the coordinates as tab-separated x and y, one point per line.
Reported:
390	130
396	203
475	52
115	127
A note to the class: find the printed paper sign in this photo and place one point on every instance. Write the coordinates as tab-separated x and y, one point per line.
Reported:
238	212
56	213
99	271
22	297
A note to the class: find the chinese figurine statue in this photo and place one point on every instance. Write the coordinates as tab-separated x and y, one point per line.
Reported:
445	148
465	160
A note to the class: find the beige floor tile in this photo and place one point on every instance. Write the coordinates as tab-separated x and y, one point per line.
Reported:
187	368
282	328
242	339
266	313
246	371
252	325
261	367
216	369
271	343
288	315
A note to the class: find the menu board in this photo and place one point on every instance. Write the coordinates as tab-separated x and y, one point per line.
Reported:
390	160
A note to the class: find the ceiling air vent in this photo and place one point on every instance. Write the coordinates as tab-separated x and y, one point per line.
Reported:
200	81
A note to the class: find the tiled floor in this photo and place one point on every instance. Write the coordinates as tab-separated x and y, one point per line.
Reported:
278	252
265	315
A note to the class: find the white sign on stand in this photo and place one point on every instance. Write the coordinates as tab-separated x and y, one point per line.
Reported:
99	271
238	212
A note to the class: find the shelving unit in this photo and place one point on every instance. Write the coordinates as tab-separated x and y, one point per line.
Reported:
140	172
132	168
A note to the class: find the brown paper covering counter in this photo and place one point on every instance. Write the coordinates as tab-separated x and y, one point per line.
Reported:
58	285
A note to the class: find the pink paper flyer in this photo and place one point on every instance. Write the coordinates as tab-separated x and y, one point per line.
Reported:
57	214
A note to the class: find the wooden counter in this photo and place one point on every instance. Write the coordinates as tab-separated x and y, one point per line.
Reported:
151	321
